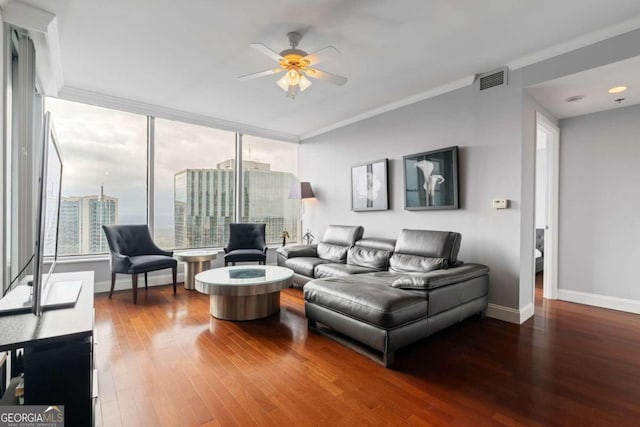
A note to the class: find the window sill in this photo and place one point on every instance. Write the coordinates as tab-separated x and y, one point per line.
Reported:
82	259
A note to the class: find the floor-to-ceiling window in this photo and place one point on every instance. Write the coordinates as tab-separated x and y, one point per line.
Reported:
269	171
194	190
104	175
190	182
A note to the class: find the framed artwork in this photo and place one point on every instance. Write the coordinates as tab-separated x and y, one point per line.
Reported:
431	180
369	186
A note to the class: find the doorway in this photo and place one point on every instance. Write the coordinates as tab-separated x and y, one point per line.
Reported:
546	202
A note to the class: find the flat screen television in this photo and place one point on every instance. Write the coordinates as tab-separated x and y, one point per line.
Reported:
42	294
48	215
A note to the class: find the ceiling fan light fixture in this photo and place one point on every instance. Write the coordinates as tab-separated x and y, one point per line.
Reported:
283	83
293	91
293	77
304	83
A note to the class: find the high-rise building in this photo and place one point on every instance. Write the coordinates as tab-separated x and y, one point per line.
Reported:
81	220
204	203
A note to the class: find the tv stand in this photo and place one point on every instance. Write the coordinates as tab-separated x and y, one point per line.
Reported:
58	353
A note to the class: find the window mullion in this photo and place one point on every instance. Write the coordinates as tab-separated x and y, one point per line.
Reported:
151	128
238	179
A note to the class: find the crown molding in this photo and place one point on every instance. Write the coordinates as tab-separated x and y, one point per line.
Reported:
466	81
576	43
42	27
109	101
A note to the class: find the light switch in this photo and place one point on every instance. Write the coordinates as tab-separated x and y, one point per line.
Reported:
500	203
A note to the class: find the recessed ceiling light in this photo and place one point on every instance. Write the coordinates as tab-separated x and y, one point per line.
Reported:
618	89
574	98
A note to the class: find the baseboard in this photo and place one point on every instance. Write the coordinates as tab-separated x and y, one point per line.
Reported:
123	281
602	301
508	314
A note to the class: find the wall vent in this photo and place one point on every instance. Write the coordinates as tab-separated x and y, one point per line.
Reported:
493	79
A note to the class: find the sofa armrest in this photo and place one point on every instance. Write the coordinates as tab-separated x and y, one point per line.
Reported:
297	251
438	278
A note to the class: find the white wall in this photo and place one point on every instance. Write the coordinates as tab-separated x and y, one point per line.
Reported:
486	127
600	204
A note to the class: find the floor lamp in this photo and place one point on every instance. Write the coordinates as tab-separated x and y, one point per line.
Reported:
301	190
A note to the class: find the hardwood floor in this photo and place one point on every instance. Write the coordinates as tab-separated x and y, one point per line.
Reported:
166	362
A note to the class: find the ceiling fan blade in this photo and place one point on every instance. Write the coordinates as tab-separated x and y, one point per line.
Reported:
323	75
324	54
266	51
260	74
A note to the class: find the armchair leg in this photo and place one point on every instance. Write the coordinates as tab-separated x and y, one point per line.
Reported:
174	273
134	282
113	284
145	281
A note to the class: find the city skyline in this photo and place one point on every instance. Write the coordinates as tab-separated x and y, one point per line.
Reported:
205	225
81	220
204	203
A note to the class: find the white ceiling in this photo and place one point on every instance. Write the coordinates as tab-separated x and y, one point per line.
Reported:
186	55
593	85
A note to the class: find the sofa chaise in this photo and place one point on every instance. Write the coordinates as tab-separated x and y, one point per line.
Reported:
386	295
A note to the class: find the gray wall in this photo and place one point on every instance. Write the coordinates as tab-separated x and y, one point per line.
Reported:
486	127
600	203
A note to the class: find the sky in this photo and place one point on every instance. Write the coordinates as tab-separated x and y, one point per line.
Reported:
107	147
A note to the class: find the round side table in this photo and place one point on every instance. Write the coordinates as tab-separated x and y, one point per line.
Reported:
195	261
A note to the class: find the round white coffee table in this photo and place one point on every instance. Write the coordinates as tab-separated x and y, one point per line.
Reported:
244	292
195	261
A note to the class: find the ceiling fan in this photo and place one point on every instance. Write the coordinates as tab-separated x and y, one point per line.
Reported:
297	66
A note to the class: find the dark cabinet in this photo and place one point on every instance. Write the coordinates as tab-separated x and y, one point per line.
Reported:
57	353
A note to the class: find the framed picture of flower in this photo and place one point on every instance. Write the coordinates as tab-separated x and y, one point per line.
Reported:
431	180
369	186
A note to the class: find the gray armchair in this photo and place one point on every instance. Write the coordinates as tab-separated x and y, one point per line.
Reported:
134	252
246	244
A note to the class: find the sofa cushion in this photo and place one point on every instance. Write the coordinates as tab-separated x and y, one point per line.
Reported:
368	257
343	235
382	244
429	244
333	253
368	298
436	279
401	263
333	270
297	251
303	265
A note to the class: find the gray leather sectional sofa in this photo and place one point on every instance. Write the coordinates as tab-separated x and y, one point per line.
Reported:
382	293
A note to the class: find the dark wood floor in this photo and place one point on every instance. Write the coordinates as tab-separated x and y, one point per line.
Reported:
166	362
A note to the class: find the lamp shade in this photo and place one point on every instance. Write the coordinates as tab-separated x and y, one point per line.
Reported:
301	190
